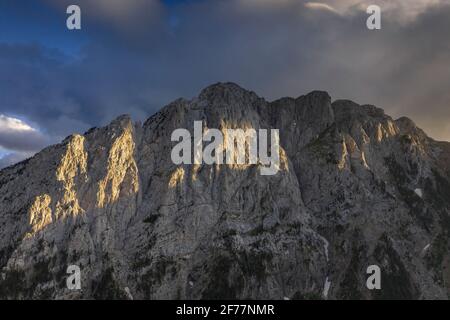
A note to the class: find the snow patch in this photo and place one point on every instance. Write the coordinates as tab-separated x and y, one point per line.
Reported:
426	248
326	244
128	292
419	192
326	288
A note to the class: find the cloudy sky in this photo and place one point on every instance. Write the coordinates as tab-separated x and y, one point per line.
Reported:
135	56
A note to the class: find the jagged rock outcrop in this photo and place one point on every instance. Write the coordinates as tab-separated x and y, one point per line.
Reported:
355	188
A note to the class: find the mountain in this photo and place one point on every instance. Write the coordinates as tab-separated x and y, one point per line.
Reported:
355	188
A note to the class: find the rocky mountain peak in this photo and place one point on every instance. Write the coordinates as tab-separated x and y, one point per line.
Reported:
123	121
356	189
316	97
227	93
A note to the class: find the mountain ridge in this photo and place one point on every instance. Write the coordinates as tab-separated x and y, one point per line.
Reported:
358	188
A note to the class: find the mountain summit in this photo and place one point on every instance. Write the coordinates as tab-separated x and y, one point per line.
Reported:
356	188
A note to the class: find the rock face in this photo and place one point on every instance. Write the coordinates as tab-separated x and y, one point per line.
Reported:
356	188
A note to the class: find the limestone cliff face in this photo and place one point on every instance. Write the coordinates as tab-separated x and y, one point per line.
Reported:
355	188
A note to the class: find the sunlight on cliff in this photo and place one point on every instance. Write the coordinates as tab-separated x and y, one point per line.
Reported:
176	177
238	146
120	163
73	164
40	214
239	150
385	131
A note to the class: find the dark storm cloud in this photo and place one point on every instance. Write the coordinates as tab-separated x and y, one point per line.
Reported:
13	158
32	84
18	136
276	48
23	141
